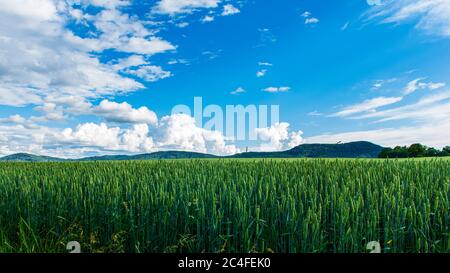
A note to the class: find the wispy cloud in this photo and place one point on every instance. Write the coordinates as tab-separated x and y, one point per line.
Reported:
173	7
261	73
207	19
315	114
432	107
309	19
265	64
277	89
367	106
238	90
345	26
431	16
417	84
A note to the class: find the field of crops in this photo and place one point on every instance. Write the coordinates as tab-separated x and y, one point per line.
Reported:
226	206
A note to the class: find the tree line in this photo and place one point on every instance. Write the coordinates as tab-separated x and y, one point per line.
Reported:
415	150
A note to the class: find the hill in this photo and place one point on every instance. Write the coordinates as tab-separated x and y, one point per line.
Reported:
23	157
361	149
152	156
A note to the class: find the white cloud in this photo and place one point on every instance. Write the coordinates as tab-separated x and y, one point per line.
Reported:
179	61
149	73
306	14
229	9
52	112
175	132
207	19
13	119
146	46
315	114
125	113
416	84
431	16
431	134
238	90
101	136
179	132
41	58
429	108
41	10
264	64
311	20
345	26
91	134
367	106
173	7
380	83
277	89
131	61
278	137
16	95
261	73
182	24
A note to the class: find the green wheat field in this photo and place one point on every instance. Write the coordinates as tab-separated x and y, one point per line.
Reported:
226	206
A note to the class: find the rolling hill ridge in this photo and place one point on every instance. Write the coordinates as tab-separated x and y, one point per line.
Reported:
360	149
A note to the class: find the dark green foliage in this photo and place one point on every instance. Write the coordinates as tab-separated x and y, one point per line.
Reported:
348	150
359	149
22	157
415	150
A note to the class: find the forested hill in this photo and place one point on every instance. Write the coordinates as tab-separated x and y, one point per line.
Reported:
360	149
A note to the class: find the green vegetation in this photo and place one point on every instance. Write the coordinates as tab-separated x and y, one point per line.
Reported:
309	205
22	157
361	149
415	150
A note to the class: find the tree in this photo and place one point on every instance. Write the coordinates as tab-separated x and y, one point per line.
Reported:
417	150
385	153
432	152
446	149
400	152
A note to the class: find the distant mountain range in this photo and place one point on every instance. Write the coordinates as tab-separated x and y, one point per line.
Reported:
361	149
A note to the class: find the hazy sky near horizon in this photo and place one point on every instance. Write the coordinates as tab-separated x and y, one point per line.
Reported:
89	77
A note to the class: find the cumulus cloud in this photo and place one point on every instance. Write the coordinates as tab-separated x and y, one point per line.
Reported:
41	57
130	61
52	112
101	136
180	132
125	113
278	137
229	9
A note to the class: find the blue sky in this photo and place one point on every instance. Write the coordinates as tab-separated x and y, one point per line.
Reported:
85	77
